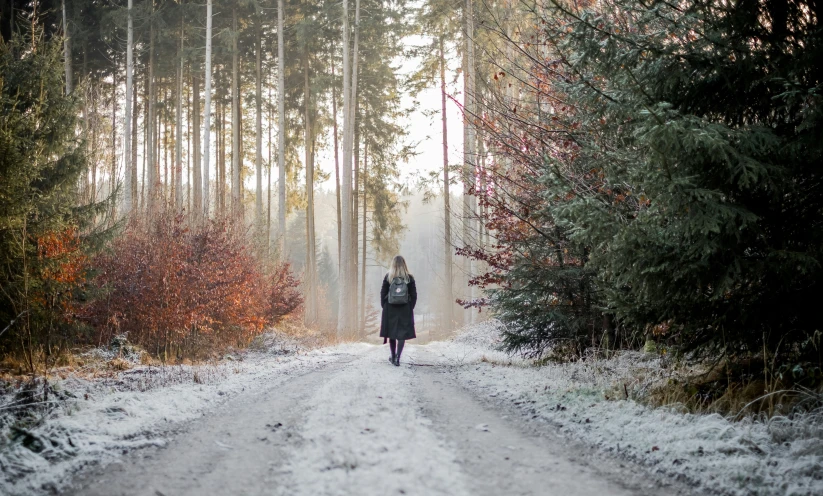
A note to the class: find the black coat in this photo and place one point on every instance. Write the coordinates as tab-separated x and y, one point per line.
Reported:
398	320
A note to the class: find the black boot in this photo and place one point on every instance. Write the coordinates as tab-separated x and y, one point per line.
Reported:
396	361
392	359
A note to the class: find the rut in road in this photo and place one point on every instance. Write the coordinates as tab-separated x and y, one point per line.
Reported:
359	426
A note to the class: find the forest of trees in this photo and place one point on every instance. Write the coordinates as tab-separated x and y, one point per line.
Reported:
632	173
183	136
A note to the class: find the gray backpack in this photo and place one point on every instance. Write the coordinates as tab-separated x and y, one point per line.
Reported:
398	291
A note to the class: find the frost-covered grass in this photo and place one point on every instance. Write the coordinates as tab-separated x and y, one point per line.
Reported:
93	417
595	400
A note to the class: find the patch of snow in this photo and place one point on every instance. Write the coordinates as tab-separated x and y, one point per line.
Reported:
586	400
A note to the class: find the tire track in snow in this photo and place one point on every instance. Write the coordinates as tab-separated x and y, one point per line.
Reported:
365	435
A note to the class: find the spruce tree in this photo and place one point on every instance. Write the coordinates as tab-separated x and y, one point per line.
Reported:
41	162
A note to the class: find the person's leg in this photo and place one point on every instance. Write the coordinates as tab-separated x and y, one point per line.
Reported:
400	344
393	347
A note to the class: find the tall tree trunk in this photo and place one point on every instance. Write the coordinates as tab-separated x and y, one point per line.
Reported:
236	159
281	130
189	151
355	210
258	157
365	232
133	164
113	165
310	283
178	174
207	112
344	300
268	200
90	95
145	156
448	302
346	309
354	111
130	172
221	157
67	47
468	146
197	178
150	125
336	155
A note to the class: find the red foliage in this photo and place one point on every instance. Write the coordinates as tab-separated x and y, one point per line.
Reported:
62	271
168	285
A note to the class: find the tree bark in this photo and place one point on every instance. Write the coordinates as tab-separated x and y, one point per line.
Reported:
310	280
268	201
150	137
178	172
344	277
197	178
281	131
236	159
448	300
355	210
131	171
207	112
258	131
133	166
365	232
468	146
336	155
67	46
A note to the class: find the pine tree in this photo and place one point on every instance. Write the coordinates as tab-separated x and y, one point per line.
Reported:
679	152
41	163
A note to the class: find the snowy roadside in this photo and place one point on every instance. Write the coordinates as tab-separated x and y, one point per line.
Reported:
587	401
99	420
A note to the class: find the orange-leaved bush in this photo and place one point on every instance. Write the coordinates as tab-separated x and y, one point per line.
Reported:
172	287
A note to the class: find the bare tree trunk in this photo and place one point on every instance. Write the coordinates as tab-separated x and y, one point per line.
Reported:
281	131
365	232
448	300
310	315
145	156
133	166
197	178
130	172
189	151
355	210
221	157
67	47
268	201
150	137
236	162
468	145
344	278
207	112
258	158
353	108
113	165
336	156
178	173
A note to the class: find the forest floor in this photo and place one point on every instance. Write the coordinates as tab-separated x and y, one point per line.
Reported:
456	418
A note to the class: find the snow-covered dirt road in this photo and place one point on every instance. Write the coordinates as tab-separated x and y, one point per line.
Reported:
360	426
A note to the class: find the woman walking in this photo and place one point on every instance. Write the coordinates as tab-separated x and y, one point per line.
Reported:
397	297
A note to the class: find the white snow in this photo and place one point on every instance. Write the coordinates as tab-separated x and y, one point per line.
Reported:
107	418
364	428
747	457
365	435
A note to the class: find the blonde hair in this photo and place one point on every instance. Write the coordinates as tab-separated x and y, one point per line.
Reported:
398	268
